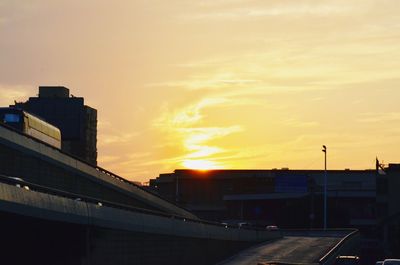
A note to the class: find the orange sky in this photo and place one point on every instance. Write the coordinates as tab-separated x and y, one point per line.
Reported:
216	83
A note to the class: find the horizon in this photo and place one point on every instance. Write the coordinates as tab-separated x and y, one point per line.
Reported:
226	84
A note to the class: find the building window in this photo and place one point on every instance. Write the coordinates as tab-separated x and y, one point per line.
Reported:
11	118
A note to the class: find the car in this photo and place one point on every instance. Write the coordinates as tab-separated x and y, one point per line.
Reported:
271	227
391	262
244	225
16	178
380	262
347	260
225	225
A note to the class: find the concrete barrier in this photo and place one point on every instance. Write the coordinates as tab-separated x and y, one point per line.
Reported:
349	245
45	165
99	234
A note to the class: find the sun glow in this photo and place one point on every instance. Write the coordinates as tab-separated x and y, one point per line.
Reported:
200	155
200	164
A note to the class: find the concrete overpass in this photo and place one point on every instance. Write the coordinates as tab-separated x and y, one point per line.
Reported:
27	158
57	209
40	225
46	226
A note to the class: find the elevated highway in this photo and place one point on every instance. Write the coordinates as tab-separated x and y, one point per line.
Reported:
30	159
46	226
55	227
57	209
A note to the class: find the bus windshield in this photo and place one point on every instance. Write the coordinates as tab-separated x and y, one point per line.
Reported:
11	118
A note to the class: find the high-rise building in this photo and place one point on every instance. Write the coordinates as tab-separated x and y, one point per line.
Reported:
77	122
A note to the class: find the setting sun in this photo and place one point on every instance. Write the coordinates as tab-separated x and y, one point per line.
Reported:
200	164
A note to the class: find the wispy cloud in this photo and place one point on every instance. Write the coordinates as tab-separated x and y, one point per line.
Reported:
9	94
106	139
109	135
288	69
380	117
187	116
107	159
210	82
184	127
235	10
196	139
299	124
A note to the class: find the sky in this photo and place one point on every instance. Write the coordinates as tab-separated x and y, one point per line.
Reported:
234	84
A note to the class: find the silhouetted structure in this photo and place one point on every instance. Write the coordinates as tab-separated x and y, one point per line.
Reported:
59	210
77	122
288	198
362	199
388	206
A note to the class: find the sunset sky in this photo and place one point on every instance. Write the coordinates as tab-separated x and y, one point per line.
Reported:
216	83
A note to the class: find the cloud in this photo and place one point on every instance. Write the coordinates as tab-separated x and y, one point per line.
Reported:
127	164
196	139
186	116
210	82
382	117
109	134
184	127
107	139
299	123
240	10
133	160
9	94
287	69
105	159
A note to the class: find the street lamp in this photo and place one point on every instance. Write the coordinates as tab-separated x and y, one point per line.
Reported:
325	189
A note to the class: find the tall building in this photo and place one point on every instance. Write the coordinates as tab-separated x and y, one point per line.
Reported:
77	122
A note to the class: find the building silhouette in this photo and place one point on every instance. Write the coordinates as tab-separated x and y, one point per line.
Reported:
368	200
288	198
77	122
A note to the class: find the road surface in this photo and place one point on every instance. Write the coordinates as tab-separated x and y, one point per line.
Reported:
291	250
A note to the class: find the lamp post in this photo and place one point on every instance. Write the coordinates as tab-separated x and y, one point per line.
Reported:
325	188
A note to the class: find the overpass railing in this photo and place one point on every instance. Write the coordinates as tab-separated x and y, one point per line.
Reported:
347	245
79	197
16	181
332	232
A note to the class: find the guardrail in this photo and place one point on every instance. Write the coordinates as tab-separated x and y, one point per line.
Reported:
333	232
43	189
346	244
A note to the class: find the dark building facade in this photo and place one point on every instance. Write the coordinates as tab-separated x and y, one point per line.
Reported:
289	198
362	199
77	122
388	207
